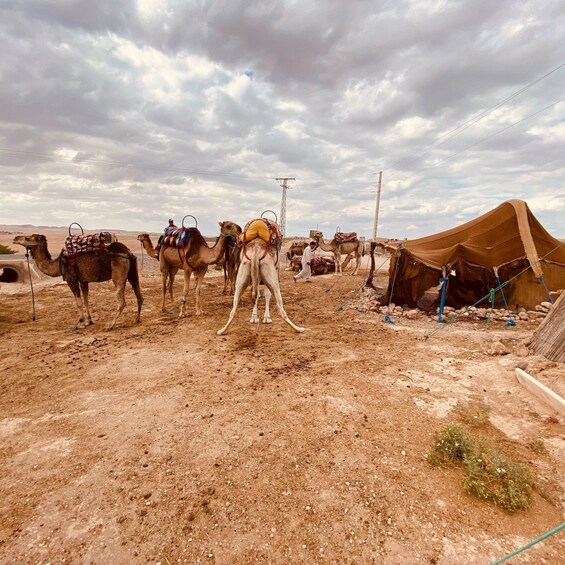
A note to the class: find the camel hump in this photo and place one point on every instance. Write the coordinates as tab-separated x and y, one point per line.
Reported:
343	237
267	230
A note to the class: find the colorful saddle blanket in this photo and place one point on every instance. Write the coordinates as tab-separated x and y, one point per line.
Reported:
176	237
81	244
267	230
316	261
343	237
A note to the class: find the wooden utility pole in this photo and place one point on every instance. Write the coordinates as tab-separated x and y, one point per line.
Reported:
377	205
369	282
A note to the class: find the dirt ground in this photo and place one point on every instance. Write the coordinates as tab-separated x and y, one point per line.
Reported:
161	442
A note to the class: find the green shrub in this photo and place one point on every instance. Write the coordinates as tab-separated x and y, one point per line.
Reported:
5	250
451	445
491	476
472	413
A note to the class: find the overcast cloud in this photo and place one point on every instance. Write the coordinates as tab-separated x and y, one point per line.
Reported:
120	115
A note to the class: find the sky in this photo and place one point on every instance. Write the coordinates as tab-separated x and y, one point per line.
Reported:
120	115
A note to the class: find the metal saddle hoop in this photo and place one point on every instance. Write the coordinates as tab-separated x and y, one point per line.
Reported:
76	224
190	216
274	214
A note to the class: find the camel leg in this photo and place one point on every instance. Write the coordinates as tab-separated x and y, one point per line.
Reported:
199	278
270	278
255	314
133	278
346	262
172	274
358	264
267	315
75	288
187	274
120	284
84	292
164	268
241	283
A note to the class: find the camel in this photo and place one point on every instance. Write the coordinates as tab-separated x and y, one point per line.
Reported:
195	258
115	262
349	248
148	245
296	249
259	262
231	260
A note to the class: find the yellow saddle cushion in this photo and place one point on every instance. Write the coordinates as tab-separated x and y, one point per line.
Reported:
257	228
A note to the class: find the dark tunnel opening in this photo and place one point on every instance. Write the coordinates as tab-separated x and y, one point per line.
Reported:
8	275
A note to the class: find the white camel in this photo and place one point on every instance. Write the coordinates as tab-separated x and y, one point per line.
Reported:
259	262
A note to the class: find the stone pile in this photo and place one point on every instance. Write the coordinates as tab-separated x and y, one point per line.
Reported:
368	300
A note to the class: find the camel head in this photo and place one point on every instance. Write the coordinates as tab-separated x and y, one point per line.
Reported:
34	240
143	237
230	229
316	235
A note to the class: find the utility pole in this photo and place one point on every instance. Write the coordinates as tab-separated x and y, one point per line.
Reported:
369	281
285	187
377	205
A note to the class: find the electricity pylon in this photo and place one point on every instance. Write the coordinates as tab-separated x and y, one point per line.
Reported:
285	187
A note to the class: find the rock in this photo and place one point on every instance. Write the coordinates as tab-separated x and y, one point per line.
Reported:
523	316
497	348
412	314
548	305
540	308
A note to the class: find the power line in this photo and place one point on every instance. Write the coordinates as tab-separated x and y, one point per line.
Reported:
495	133
471	121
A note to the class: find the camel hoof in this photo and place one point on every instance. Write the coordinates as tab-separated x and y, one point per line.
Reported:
299	329
268	321
220	332
200	313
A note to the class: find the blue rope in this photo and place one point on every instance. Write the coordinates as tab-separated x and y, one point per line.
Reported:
528	545
510	322
542	280
443	282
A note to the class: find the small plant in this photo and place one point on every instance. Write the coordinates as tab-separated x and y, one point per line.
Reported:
495	478
491	476
451	445
6	250
472	413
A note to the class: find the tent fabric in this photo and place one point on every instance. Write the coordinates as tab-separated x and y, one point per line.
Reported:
501	243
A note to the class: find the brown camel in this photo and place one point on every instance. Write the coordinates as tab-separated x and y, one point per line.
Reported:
115	262
195	258
349	248
259	262
148	245
296	249
231	259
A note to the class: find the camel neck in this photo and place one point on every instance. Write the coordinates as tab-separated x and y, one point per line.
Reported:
44	262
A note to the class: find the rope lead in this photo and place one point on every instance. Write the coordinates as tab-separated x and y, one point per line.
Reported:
31	285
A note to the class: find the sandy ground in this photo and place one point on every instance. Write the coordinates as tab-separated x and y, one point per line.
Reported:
163	443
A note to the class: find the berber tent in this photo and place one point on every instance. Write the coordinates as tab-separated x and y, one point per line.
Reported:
506	245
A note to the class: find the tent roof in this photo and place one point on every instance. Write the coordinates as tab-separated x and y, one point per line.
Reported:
505	234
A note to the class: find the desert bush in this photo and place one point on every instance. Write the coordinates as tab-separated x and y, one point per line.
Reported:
451	445
491	476
495	478
5	250
472	413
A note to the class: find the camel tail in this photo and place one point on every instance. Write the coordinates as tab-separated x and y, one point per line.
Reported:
133	278
254	276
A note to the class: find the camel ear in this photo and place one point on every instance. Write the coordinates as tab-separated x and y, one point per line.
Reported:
220	224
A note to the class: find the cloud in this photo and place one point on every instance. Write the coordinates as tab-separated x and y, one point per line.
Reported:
126	115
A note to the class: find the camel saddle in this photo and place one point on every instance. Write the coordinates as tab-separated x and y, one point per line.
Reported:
267	230
176	237
82	244
344	237
316	261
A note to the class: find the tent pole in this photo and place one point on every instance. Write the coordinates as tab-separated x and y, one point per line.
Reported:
443	282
